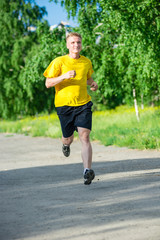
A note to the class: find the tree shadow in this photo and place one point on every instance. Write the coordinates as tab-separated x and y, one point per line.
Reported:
38	201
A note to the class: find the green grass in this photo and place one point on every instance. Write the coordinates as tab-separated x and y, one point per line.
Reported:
120	127
45	125
114	127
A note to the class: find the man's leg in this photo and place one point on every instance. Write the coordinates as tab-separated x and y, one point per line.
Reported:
67	141
66	145
86	155
86	147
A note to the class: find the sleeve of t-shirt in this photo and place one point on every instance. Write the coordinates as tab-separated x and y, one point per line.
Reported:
90	70
53	70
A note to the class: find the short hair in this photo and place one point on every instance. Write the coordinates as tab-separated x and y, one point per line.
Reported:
73	34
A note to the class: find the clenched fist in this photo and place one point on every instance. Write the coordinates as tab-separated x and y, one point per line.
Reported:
70	74
94	86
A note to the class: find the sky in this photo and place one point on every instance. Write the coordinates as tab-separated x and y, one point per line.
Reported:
56	13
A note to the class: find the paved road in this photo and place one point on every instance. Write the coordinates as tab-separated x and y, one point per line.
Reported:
42	195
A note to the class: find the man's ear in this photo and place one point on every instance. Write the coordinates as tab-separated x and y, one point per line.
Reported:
67	45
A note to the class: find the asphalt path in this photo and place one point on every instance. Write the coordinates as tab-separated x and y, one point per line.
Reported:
42	195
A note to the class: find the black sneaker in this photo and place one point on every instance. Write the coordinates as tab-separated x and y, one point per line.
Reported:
88	176
66	150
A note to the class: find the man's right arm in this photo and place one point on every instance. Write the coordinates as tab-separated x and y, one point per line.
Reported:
51	82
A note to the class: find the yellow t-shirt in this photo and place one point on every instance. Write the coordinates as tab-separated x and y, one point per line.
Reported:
73	91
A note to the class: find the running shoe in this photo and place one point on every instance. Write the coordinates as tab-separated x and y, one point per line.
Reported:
66	150
89	175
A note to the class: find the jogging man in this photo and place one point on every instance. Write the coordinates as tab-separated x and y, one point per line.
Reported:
70	74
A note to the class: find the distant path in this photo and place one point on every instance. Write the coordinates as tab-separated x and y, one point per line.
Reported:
42	195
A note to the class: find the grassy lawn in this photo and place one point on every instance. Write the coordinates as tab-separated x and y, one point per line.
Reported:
113	127
120	127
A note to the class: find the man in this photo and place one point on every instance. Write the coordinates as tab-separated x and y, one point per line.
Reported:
70	75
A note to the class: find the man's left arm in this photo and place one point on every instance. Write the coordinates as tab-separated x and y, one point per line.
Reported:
92	83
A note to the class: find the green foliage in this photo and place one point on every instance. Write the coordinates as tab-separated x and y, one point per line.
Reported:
16	17
121	38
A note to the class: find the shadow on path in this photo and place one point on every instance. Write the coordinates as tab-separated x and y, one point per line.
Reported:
51	202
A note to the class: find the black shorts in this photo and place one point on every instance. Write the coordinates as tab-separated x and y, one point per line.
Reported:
73	117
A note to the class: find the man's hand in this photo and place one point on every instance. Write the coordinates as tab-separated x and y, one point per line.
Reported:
94	86
51	82
70	74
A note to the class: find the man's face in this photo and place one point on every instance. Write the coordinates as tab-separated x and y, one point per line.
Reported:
74	44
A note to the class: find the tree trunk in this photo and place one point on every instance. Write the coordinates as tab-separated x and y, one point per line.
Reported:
135	104
142	104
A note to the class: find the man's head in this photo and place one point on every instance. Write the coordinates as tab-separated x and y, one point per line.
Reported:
73	34
74	42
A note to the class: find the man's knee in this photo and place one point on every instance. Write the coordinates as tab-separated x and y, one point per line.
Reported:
84	135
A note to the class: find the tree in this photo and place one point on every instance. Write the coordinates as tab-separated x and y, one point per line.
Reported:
16	19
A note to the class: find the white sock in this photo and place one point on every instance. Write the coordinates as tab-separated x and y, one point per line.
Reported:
85	170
